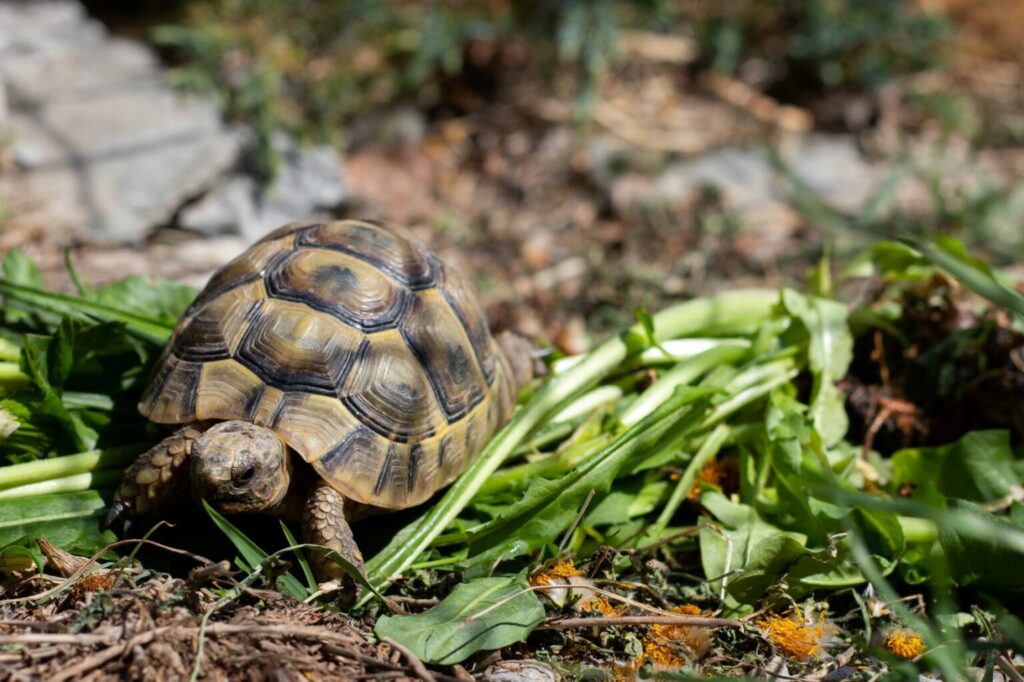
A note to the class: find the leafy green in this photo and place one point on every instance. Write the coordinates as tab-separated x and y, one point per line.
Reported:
454	630
982	561
979	467
68	520
549	506
829	352
160	299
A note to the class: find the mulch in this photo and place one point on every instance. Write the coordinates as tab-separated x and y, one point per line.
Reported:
102	628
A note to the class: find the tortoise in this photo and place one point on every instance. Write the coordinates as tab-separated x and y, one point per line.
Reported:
330	370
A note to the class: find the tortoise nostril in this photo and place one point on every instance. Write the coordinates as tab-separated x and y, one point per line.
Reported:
246	474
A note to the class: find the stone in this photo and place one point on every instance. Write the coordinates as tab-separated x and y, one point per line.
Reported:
743	176
830	166
834	169
520	671
308	184
103	146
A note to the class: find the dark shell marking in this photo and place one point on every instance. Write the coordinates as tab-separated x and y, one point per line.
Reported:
356	346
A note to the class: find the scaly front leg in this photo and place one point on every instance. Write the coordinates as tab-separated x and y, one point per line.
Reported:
323	523
156	478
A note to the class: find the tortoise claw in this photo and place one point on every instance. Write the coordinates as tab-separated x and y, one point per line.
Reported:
119	512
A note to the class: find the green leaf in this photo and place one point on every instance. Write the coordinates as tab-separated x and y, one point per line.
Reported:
758	555
981	561
549	506
45	359
450	632
72	521
253	555
155	330
19	268
161	299
978	467
829	352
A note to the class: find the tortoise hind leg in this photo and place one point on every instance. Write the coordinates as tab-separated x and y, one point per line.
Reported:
323	523
156	478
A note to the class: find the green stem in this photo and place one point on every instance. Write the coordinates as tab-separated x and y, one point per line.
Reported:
69	465
587	403
108	478
684	373
668	352
712	444
11	375
90	401
9	351
918	530
735	312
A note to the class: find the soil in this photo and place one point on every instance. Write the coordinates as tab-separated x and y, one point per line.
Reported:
104	627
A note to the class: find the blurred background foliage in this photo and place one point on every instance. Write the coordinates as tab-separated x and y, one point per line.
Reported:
307	67
583	157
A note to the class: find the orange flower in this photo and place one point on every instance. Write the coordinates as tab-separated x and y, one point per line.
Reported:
906	644
794	636
663	641
558	574
599	605
723	474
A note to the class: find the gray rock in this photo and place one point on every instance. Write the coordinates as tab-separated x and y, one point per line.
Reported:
308	183
834	169
103	144
520	671
830	166
744	176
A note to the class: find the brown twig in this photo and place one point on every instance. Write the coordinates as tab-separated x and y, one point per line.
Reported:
413	659
93	559
698	621
53	638
96	660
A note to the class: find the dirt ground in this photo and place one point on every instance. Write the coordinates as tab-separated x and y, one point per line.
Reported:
153	629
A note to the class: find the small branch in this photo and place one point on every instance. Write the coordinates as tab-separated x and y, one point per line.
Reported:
414	660
53	638
695	621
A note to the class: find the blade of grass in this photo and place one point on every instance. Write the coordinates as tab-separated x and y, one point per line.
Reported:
253	553
973	274
300	556
149	329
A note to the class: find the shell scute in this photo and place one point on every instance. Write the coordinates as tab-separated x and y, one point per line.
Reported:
399	257
341	285
294	350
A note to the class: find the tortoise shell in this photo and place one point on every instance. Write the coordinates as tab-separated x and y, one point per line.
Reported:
356	346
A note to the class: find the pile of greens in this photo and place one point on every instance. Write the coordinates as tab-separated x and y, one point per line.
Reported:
712	435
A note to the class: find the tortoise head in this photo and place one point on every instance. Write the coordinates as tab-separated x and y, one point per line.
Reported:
240	467
524	357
